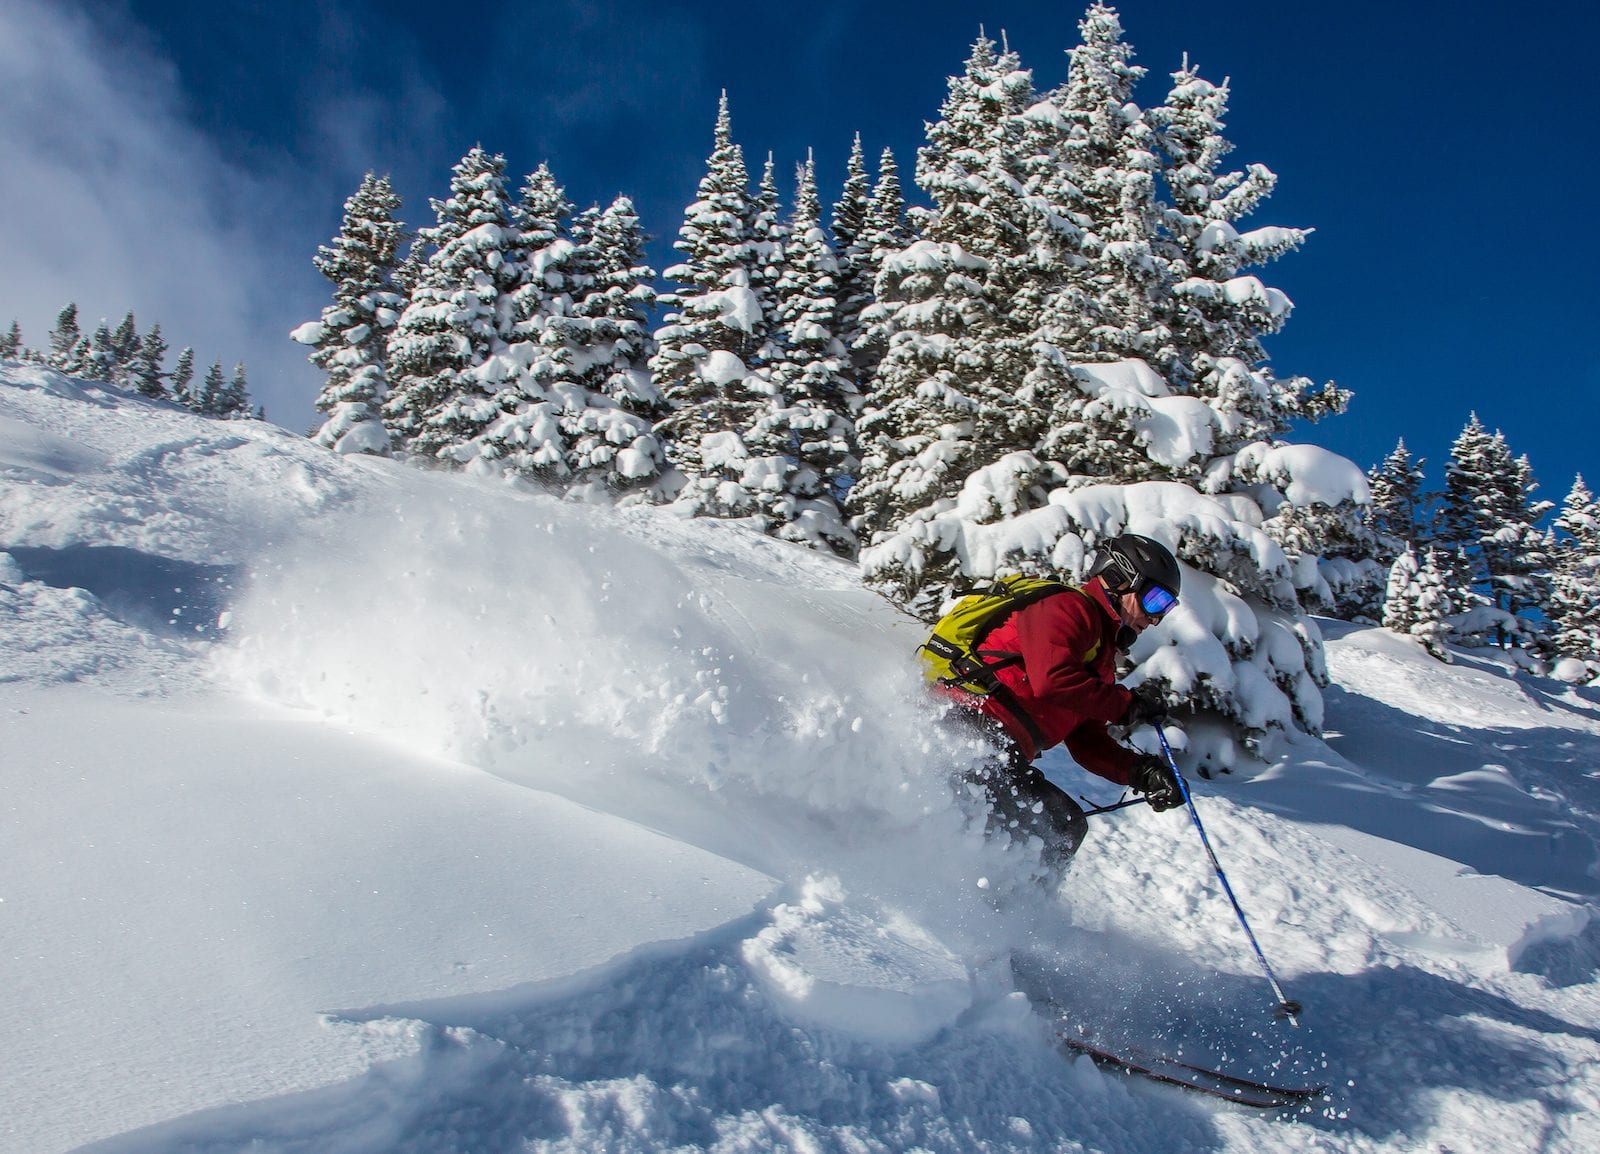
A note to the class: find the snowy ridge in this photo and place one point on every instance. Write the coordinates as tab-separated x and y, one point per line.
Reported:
356	807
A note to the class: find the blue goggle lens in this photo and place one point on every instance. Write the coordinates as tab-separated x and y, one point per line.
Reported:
1155	600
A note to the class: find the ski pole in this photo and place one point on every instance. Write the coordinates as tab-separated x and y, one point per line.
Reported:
1287	1007
1114	807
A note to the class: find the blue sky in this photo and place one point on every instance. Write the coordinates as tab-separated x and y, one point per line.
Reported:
186	160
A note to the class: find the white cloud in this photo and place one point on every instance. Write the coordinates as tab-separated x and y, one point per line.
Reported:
111	197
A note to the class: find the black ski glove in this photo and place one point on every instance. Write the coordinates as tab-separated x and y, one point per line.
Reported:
1153	777
1148	705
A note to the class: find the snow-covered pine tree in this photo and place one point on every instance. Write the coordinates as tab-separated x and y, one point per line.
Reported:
64	341
208	400
105	362
534	378
350	341
85	361
1488	520
1092	173
612	449
183	378
11	343
1216	312
1398	503
805	440
572	388
711	339
1243	658
1574	605
1521	552
124	348
619	297
1416	602
1467	509
442	385
233	403
1093	167
769	235
946	397
1314	504
146	374
885	232
852	248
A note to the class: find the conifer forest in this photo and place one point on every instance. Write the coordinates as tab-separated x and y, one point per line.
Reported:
1050	331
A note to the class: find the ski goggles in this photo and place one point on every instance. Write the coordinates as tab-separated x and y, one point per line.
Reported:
1156	599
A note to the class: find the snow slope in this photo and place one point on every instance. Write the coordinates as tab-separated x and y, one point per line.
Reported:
351	807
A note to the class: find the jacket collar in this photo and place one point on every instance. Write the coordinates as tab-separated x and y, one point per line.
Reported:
1101	596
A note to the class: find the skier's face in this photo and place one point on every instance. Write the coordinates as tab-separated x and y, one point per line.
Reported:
1133	613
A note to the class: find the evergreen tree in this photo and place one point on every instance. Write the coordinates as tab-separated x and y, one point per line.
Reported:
852	246
99	359
1216	313
807	435
125	342
232	401
1064	278
573	414
350	341
1488	520
947	394
712	338
769	235
611	447
1574	605
183	379
524	436
884	233
83	362
443	369
1468	500
1520	553
11	344
1397	499
619	297
1417	601
208	402
1108	162
64	341
146	373
1092	171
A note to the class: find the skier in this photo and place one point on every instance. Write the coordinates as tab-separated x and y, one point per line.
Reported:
1062	688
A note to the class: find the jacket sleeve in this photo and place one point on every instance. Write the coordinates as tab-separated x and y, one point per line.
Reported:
1055	644
1091	747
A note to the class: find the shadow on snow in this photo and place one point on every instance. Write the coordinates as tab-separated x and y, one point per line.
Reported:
685	1050
143	589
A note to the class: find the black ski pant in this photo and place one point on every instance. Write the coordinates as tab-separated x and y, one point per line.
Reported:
1021	801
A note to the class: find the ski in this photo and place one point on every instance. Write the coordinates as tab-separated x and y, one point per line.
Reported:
1202	1079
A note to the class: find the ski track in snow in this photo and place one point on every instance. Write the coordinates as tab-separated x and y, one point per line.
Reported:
337	689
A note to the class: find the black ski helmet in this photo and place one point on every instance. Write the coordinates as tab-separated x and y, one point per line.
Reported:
1130	561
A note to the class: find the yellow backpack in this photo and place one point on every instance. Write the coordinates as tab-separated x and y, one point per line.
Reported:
952	655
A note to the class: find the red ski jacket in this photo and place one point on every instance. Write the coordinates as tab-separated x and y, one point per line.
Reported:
1066	681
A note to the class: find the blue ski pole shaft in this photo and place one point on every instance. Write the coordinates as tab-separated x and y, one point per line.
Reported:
1286	1007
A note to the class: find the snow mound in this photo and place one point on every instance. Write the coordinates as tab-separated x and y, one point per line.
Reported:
873	975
